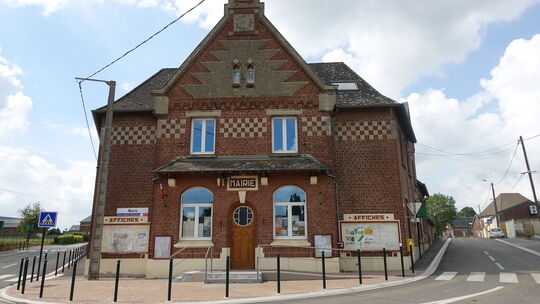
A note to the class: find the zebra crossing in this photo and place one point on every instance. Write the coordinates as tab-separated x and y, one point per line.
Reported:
504	277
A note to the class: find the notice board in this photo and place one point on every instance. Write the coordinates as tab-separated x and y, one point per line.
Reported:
125	238
370	235
162	247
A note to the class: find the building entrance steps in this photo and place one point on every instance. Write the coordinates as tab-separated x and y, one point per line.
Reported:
236	276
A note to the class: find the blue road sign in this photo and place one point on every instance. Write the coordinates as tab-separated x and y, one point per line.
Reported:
47	219
489	221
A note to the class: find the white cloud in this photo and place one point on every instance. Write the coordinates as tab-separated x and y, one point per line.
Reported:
15	107
126	87
48	6
509	107
67	190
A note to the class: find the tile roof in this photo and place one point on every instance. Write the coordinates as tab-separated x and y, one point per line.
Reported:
504	201
366	95
87	219
242	164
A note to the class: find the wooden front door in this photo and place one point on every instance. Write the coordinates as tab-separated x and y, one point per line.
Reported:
243	238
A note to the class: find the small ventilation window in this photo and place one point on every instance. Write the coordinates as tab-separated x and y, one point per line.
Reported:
250	76
236	76
346	86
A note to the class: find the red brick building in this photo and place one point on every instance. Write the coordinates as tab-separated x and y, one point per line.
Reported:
247	149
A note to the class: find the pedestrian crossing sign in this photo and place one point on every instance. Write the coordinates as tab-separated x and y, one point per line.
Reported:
47	219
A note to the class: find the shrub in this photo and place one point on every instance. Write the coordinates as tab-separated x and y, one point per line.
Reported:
67	239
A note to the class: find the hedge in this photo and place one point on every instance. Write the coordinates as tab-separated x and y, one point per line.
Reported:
67	239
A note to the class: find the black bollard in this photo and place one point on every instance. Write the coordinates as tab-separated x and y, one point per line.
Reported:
64	262
278	274
169	290
20	245
385	268
33	267
116	281
43	277
323	271
69	260
401	257
20	274
57	259
73	281
227	277
359	266
412	257
25	271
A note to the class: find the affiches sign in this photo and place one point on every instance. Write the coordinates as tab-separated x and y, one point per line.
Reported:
123	220
369	217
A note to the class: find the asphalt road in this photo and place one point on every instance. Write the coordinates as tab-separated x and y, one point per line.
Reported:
10	262
503	274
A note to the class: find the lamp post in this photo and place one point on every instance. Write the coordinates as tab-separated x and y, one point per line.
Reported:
494	202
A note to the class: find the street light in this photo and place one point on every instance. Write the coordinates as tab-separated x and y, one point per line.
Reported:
494	201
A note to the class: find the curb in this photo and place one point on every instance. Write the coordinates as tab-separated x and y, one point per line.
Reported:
429	271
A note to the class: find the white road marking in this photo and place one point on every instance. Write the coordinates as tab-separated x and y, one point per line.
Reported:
487	253
491	258
10	265
521	247
536	277
508	277
15	279
6	276
500	266
452	300
476	277
446	276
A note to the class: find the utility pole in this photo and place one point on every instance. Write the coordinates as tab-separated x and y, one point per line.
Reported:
530	175
479	210
103	170
495	204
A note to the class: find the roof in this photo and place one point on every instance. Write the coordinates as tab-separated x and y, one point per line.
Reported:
87	219
366	95
463	222
74	228
422	187
504	201
242	164
10	222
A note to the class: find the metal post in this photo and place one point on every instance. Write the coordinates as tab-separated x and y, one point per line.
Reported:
43	278
41	251
401	257
20	245
169	291
24	275
57	258
359	266
530	176
385	267
227	276
116	281
278	274
418	233
412	257
69	260
73	281
64	262
323	271
20	274
495	204
33	267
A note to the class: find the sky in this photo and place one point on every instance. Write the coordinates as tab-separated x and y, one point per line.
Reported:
470	71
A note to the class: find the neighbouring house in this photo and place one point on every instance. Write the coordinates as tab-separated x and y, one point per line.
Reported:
461	227
74	228
85	224
10	225
511	207
246	151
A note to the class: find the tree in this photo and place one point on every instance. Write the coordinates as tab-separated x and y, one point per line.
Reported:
466	212
30	218
441	209
54	231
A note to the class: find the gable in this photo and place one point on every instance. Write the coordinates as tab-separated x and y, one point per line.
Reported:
243	38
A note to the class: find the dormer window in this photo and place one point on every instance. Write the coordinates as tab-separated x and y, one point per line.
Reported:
250	76
346	86
236	76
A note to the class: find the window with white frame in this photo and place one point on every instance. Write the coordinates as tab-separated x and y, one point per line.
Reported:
196	223
290	221
284	135
203	136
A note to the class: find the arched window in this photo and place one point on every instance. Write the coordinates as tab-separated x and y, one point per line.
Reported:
236	75
250	77
290	220
196	214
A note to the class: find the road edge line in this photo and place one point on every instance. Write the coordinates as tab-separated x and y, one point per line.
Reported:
452	300
531	251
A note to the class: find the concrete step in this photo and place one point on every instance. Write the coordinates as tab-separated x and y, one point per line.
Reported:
234	277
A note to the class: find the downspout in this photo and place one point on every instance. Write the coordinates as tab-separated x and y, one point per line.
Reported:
336	197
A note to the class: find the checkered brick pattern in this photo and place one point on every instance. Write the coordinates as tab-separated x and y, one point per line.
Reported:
365	130
171	128
134	135
316	126
243	127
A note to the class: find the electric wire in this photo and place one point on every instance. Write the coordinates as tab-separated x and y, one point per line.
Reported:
86	119
466	154
509	165
41	197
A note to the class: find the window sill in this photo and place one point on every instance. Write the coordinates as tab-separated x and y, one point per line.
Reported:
291	242
283	154
202	156
193	244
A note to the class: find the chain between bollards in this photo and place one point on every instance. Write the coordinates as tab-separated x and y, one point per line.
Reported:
169	288
278	274
323	270
412	257
227	266
71	291
43	277
385	266
359	266
401	258
116	281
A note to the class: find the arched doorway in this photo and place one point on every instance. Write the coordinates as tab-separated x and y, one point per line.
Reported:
243	232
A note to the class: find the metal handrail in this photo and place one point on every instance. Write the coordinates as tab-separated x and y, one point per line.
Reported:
183	248
206	262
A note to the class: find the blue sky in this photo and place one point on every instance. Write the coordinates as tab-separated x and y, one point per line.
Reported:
432	54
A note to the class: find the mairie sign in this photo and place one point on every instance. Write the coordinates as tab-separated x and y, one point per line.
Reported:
47	219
